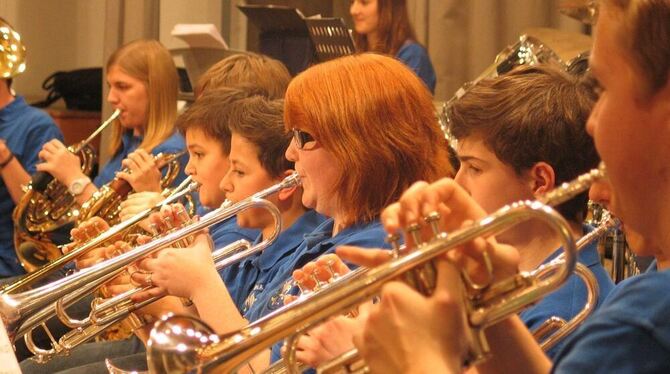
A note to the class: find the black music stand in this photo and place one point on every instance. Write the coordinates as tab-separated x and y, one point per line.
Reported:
283	34
331	38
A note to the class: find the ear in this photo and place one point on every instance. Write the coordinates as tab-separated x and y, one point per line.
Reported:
286	193
543	178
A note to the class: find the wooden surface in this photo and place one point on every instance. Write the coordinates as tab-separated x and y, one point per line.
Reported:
76	125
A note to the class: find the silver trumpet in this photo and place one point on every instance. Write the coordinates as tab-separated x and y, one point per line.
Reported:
550	333
182	343
184	188
22	312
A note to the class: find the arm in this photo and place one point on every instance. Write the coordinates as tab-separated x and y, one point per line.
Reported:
64	166
13	173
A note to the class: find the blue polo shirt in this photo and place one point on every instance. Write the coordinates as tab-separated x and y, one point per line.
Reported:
247	279
569	300
630	333
316	244
25	130
175	143
416	57
227	231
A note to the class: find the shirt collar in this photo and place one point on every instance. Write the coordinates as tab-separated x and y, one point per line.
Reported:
290	239
10	109
129	140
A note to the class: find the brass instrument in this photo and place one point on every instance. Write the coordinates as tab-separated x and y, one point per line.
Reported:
47	211
13	56
105	203
28	280
568	51
24	311
184	344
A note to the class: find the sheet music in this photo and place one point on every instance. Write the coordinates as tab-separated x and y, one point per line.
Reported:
199	35
9	363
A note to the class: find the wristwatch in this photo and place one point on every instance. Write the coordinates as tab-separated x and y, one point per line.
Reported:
78	185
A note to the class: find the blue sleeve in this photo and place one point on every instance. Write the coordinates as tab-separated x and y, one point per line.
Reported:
174	144
629	333
43	131
415	56
593	352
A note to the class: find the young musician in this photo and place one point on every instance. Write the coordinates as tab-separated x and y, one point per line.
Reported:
143	83
383	26
345	176
537	141
629	333
23	130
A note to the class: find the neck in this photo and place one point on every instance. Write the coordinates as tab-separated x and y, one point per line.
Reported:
373	39
291	211
535	242
6	96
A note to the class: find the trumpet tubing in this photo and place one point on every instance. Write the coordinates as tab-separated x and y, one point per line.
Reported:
24	311
484	306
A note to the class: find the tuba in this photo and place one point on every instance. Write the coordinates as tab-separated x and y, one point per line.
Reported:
184	344
47	211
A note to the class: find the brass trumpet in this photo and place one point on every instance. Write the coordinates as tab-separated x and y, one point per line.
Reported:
185	188
47	210
198	348
22	312
550	333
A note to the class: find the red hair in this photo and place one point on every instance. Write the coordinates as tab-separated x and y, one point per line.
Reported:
377	119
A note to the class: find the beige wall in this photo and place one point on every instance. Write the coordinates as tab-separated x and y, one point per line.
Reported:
462	37
59	35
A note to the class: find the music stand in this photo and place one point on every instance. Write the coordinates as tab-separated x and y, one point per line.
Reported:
283	34
331	38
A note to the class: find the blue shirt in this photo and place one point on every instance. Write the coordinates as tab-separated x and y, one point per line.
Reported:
175	143
316	244
25	130
246	280
227	231
416	57
630	333
569	300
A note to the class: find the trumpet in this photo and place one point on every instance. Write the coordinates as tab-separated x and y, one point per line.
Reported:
198	348
185	188
47	210
24	311
550	333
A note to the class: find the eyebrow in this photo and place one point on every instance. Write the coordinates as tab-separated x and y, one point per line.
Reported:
469	158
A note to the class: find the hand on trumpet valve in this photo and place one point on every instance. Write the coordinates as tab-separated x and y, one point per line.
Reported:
329	339
141	171
85	232
58	161
138	202
178	272
388	339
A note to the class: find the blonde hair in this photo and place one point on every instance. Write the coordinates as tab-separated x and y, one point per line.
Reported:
150	62
247	68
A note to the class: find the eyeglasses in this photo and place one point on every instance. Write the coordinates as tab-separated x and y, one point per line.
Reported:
303	140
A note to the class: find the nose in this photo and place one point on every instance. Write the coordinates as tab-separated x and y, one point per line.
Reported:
353	8
226	185
189	169
461	179
112	97
291	152
601	193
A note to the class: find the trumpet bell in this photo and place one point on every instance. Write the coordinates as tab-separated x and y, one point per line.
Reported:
178	344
